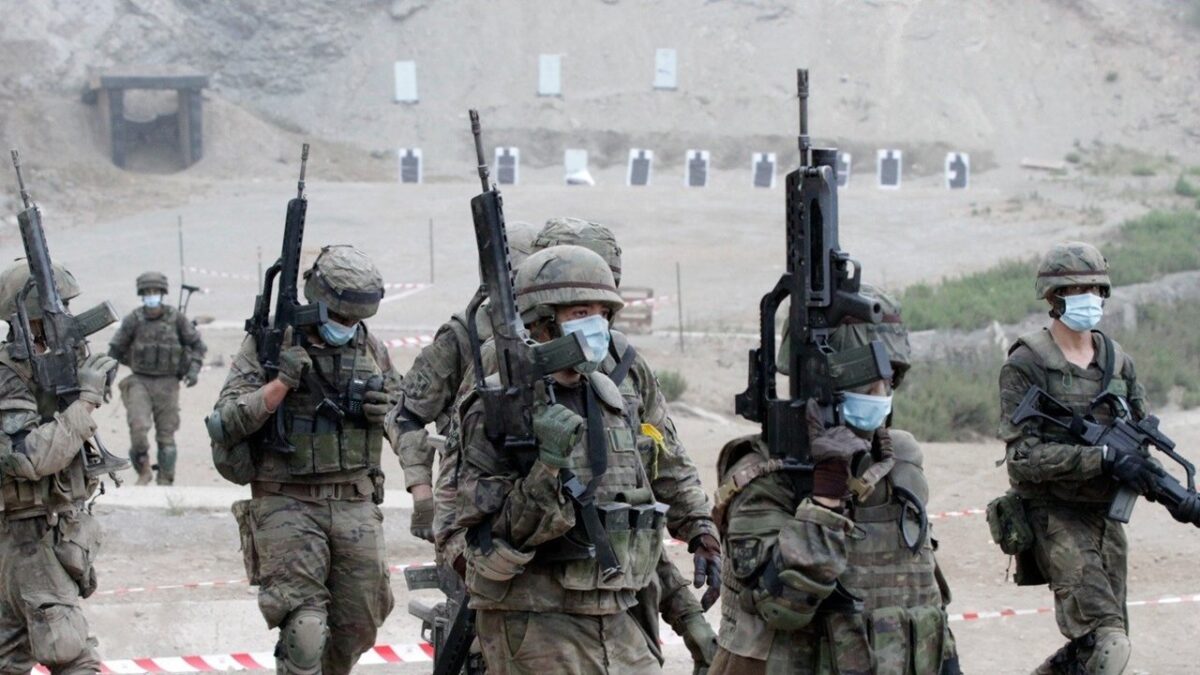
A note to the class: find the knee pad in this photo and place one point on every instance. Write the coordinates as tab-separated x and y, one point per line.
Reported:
1111	652
302	641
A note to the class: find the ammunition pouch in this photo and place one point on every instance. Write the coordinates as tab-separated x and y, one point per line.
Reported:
909	639
52	494
76	544
635	534
156	350
234	463
489	575
787	600
242	513
323	445
1009	524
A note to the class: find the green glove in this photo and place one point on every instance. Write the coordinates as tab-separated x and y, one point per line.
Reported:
700	640
192	376
94	378
293	361
421	524
377	404
558	430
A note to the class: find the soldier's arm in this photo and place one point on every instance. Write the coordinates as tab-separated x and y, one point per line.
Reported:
1030	459
118	347
676	602
676	480
190	338
29	449
1135	392
525	511
244	405
430	387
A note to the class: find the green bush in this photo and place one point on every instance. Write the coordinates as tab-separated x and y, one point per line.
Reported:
948	402
1142	170
1073	157
1185	188
1158	243
672	383
1166	350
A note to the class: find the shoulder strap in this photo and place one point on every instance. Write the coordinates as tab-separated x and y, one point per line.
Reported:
1110	361
619	373
737	481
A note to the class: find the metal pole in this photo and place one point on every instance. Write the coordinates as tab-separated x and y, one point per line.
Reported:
431	251
182	278
260	277
679	302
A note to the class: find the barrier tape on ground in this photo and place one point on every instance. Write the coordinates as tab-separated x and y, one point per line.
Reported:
422	652
401	567
222	275
417	341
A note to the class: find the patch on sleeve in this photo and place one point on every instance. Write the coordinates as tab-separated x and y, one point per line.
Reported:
416	383
489	494
744	554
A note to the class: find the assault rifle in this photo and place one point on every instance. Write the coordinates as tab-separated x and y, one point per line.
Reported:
1123	435
63	335
821	283
269	330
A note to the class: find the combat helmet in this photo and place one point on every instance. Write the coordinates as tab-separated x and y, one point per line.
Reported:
1072	263
13	279
564	275
579	232
346	280
852	333
148	282
520	241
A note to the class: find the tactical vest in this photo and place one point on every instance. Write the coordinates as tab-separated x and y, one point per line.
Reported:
632	520
333	443
60	492
155	349
1077	388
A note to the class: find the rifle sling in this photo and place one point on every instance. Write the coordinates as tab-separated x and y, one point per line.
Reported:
453	652
598	463
1110	361
622	370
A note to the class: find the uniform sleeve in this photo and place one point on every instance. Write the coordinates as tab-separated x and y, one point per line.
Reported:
1030	460
813	544
525	511
189	337
29	449
431	385
118	347
241	406
677	480
676	602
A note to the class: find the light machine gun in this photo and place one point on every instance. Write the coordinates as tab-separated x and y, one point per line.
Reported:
64	336
1123	435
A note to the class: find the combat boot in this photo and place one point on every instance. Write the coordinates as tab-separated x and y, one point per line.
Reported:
141	464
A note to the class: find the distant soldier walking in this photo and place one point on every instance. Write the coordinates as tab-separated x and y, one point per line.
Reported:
162	347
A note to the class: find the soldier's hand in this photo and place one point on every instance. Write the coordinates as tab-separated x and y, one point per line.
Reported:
377	404
95	376
706	556
192	376
701	641
558	430
1134	470
421	525
1187	511
293	361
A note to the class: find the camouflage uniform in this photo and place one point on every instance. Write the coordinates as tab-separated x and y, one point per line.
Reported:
1063	485
48	538
537	612
161	346
311	536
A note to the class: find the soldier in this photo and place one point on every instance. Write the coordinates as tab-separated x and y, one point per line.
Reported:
312	538
430	388
540	608
48	540
161	346
1065	487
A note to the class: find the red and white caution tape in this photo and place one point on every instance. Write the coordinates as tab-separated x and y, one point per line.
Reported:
957	514
412	342
221	275
662	299
1006	613
406	286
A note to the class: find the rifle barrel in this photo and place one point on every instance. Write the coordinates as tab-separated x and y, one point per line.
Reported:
16	158
802	92
478	134
303	167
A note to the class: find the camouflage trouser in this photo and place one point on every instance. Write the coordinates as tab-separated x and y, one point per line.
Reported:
327	556
40	617
1082	554
151	400
833	644
539	643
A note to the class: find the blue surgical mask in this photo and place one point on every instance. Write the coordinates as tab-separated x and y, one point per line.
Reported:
594	329
865	412
152	301
336	334
1082	312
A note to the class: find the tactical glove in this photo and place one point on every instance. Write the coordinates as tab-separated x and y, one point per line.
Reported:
1133	470
1187	511
377	404
706	555
421	525
832	450
95	376
293	361
701	641
192	376
558	430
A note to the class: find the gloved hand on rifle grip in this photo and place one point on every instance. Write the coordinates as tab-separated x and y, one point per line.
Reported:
95	377
558	430
293	361
831	451
1132	469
